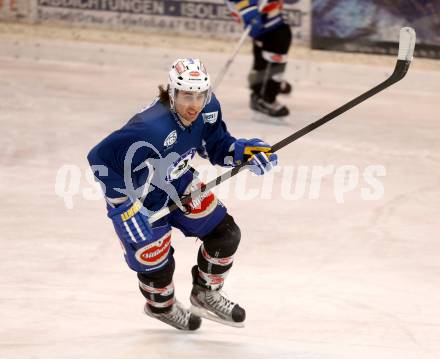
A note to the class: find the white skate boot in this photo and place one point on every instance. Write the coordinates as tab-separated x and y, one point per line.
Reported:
178	317
213	305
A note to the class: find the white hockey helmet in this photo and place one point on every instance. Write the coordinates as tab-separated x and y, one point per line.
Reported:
188	75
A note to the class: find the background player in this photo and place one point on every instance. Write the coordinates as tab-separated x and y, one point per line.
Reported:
271	42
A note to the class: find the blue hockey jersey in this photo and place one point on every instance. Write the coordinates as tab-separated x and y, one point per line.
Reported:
156	139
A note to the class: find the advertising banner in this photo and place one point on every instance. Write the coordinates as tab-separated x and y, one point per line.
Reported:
206	17
373	25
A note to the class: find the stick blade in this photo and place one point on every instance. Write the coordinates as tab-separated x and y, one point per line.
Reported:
407	42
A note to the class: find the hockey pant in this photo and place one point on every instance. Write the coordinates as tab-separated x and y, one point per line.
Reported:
270	57
153	260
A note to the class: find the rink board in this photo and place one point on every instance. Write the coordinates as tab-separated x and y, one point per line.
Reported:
207	18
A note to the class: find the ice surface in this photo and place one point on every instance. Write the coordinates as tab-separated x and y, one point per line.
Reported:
319	279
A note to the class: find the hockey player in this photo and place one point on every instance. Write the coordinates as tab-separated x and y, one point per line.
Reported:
145	165
271	41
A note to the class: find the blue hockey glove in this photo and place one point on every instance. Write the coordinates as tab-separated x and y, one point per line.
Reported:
251	16
130	224
258	152
257	26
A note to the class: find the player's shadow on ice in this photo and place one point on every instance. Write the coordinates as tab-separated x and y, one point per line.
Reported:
233	343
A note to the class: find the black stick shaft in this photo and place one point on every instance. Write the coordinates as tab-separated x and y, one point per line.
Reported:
399	72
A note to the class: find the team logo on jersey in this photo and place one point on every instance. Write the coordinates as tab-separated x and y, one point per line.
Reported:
210	117
171	139
180	165
155	252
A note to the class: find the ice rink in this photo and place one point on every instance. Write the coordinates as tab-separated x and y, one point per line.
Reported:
322	273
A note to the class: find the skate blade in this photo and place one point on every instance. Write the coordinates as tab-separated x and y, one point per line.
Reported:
262	118
200	312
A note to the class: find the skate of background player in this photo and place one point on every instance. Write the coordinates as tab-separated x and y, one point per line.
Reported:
407	41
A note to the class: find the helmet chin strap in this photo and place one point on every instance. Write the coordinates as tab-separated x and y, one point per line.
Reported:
179	116
171	96
182	119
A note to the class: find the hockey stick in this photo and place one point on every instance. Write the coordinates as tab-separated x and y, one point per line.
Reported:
231	59
228	63
406	50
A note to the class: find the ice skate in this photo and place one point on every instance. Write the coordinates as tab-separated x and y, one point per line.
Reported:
213	305
273	113
178	317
